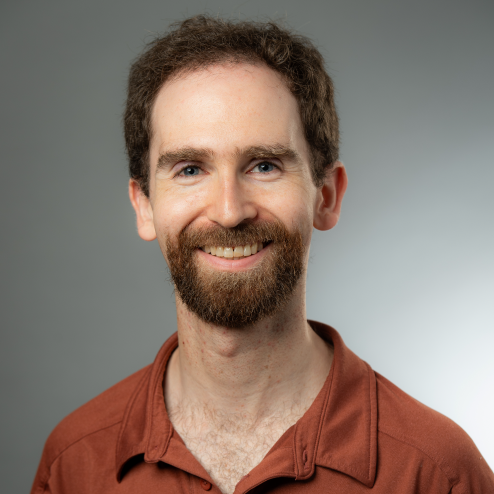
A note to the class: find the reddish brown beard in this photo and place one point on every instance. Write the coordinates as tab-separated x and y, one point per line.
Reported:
240	299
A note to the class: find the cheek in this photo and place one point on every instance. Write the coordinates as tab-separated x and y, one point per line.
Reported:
294	206
174	211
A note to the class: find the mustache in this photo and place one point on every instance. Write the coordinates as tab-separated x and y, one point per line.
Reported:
241	234
236	300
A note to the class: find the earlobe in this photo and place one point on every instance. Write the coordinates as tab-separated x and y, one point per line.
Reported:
144	211
329	198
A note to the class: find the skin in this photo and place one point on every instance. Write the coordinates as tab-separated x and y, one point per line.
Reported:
257	370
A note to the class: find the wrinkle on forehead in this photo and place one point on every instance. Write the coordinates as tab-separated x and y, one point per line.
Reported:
236	81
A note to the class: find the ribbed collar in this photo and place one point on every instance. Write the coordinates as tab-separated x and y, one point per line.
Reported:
339	431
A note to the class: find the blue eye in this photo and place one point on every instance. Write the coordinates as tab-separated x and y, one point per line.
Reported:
190	171
264	167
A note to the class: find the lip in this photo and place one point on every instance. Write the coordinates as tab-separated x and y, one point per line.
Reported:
233	266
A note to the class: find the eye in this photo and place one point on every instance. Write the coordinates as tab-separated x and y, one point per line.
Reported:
264	167
190	171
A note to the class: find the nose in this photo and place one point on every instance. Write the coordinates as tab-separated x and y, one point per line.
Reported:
230	202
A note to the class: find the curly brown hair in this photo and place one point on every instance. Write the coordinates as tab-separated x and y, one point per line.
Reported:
202	41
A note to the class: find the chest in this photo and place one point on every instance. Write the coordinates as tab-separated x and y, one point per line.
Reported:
230	447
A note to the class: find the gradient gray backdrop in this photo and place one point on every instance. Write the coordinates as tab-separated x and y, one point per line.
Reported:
407	277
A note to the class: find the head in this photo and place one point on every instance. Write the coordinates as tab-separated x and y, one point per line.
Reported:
224	157
201	42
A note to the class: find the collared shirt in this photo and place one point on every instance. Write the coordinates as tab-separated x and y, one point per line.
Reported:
362	434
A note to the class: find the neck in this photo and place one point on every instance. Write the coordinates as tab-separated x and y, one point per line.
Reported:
258	368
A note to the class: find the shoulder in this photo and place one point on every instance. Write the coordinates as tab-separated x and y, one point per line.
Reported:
404	417
102	412
411	424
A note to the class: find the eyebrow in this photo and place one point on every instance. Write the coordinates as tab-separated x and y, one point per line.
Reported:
270	151
169	158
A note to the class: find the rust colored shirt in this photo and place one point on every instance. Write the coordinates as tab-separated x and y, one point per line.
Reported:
362	434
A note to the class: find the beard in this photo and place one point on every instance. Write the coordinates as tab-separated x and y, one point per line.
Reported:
236	299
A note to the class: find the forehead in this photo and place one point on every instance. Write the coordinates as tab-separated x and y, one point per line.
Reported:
225	107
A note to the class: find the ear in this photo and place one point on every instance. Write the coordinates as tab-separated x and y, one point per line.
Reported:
144	211
329	198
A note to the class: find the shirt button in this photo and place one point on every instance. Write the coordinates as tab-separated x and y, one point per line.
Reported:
205	485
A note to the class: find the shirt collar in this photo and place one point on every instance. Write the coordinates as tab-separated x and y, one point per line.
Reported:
345	438
339	431
146	428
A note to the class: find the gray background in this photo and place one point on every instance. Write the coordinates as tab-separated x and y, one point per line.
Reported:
407	277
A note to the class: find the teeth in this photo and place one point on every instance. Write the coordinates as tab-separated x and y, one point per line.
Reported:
234	252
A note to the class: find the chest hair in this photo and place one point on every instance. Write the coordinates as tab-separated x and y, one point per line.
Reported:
229	446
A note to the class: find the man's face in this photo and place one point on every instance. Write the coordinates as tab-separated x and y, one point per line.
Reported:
230	168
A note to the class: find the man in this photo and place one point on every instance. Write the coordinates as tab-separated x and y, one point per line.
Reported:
232	137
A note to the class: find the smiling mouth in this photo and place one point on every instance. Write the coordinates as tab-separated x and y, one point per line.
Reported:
237	252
